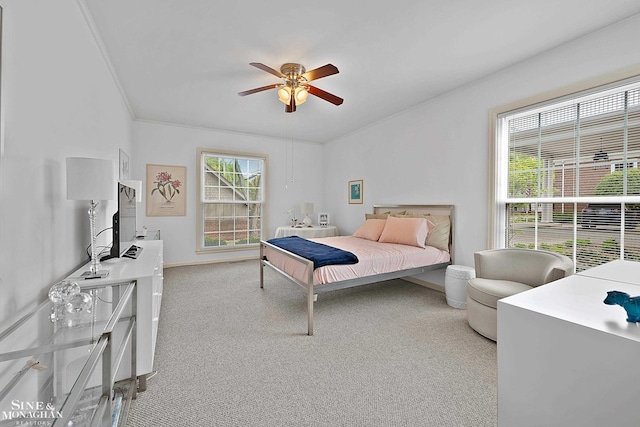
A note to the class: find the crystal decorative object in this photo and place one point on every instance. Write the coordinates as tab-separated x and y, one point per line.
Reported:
59	292
57	313
79	302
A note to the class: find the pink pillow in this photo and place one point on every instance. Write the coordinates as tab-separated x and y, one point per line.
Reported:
371	229
430	224
406	231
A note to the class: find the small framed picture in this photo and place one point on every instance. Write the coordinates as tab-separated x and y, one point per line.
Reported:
355	191
123	173
323	218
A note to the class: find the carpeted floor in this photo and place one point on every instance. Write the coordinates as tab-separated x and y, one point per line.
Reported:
387	354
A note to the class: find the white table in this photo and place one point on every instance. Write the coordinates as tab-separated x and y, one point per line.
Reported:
307	232
455	284
623	271
567	359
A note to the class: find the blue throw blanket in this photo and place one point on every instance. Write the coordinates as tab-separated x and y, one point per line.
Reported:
319	253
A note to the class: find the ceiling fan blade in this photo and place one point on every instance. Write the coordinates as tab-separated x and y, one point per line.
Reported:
258	89
318	73
267	69
325	95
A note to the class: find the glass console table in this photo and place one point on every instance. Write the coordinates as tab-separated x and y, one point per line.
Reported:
58	364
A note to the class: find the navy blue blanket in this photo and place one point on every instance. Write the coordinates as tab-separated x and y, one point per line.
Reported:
317	252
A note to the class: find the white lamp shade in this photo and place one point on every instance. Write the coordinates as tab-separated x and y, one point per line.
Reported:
306	208
284	94
137	185
301	95
90	179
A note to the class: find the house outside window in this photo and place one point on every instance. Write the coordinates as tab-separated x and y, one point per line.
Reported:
567	179
231	200
619	166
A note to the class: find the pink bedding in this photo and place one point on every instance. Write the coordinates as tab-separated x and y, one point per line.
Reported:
374	258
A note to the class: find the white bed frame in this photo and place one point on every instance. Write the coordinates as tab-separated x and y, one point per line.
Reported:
312	290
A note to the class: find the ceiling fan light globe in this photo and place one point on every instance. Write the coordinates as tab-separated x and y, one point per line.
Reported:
301	95
284	94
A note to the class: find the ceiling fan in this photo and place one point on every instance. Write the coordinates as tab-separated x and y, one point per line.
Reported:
296	87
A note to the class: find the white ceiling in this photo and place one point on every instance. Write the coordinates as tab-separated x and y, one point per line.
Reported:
184	61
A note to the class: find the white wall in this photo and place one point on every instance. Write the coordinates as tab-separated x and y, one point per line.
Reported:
438	152
58	100
294	176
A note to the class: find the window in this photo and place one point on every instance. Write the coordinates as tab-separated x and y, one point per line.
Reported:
619	166
567	178
231	200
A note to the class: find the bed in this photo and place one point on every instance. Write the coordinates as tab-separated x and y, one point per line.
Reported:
377	261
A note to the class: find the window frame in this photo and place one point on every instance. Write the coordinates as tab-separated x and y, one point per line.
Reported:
201	203
497	175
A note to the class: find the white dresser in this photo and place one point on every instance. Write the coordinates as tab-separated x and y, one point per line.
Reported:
567	359
147	272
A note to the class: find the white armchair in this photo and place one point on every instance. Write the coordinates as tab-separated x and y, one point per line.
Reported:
504	272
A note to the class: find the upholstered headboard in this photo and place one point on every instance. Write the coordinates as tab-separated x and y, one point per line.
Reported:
435	210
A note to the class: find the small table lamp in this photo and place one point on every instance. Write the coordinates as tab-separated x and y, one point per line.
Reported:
93	180
307	209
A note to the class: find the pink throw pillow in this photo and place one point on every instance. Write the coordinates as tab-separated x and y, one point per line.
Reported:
371	229
405	231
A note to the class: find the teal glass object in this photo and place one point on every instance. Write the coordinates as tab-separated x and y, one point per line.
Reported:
629	303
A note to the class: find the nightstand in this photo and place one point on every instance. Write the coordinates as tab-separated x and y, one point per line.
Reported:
307	232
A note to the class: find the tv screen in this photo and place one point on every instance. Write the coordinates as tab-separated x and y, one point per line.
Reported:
124	224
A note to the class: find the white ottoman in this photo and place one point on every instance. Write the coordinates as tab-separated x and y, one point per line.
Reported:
455	284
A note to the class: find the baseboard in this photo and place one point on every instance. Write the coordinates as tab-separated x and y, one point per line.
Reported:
424	283
211	261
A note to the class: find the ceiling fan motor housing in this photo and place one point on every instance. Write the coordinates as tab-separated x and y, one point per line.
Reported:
292	70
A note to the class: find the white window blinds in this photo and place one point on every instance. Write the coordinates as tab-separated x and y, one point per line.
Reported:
569	173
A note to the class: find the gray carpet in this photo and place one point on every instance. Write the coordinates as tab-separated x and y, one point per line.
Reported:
387	354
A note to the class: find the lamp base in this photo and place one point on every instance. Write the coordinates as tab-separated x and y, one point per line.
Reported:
307	221
100	274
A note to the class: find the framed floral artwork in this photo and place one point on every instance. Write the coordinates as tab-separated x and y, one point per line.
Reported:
355	191
166	190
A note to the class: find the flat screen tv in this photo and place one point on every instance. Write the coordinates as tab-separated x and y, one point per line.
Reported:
124	225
